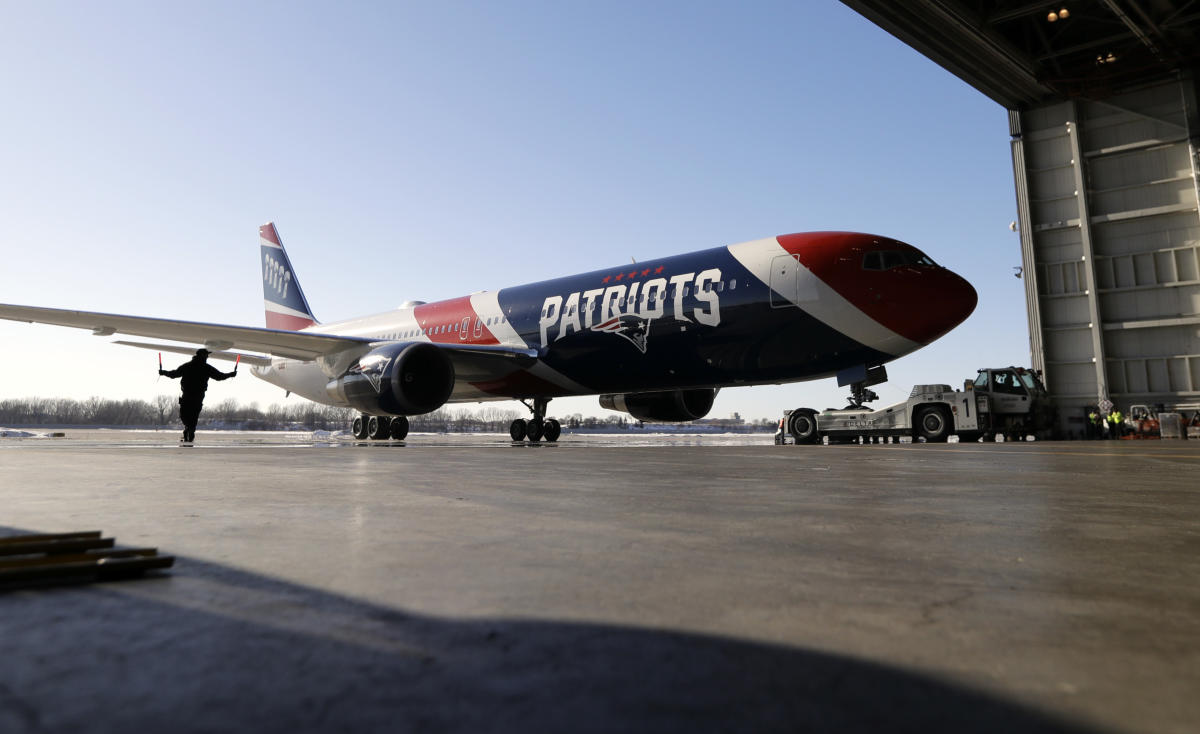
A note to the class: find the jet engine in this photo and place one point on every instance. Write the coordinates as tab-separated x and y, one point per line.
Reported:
397	379
669	405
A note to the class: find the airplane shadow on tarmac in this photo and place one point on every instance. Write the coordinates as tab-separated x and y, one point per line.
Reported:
208	647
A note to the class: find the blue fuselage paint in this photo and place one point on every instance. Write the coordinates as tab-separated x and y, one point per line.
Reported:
728	333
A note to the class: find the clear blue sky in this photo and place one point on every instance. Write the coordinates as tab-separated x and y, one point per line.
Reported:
428	150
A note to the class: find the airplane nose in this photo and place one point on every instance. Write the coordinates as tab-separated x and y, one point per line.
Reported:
941	301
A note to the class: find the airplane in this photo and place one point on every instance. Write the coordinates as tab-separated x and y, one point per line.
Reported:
655	339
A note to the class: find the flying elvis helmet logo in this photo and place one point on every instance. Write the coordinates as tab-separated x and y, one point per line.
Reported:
372	367
628	327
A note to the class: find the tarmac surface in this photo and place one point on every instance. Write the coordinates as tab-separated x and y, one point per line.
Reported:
710	584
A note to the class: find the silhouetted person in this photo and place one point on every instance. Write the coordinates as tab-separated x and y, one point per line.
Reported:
195	375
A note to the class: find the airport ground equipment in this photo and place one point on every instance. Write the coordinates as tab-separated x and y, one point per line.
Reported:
1007	401
1142	422
1155	421
66	558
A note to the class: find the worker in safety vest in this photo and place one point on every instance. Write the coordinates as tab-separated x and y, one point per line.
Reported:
1116	423
1094	429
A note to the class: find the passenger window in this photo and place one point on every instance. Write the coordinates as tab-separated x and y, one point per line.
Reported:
733	285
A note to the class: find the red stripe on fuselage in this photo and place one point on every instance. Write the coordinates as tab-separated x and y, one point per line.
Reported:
438	322
287	322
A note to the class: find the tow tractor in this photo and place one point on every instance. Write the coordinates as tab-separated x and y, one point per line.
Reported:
1005	401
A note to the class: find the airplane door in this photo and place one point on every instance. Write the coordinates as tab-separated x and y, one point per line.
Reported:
785	281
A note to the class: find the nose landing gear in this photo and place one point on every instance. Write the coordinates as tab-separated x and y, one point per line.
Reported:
537	427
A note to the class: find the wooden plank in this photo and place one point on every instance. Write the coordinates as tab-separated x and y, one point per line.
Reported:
100	569
21	548
59	558
5	540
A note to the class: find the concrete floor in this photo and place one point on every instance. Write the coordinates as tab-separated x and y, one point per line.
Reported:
443	587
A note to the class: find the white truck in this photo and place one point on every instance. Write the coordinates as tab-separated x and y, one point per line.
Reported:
1009	401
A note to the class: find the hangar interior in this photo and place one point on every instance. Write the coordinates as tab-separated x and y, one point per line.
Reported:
1105	136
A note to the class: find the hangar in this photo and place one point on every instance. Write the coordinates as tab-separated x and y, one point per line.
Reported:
1105	135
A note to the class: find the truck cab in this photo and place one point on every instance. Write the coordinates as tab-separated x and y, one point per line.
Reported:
1017	400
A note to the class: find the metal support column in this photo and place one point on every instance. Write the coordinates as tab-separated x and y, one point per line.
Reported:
1085	237
1029	270
1187	85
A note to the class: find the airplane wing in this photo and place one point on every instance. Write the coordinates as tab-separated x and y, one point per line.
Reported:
252	359
475	361
218	337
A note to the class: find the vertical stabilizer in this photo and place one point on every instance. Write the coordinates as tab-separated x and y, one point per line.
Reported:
285	304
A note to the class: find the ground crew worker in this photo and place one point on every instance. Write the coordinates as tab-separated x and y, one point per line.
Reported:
1115	420
195	375
1093	424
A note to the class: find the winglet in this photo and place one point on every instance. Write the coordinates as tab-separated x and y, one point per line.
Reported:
284	301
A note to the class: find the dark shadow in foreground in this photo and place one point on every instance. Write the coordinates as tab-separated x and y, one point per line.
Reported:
210	648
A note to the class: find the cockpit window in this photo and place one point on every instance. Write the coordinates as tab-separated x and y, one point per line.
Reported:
889	259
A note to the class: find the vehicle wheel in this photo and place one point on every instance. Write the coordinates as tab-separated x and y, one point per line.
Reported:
533	429
379	427
803	426
517	430
359	427
399	429
552	430
933	426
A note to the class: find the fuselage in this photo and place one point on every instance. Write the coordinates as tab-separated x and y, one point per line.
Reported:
781	309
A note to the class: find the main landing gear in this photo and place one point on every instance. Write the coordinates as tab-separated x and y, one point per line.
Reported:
380	427
537	427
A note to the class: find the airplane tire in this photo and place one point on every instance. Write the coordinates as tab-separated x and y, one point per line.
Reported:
399	428
379	427
534	427
802	424
359	427
552	430
517	430
933	425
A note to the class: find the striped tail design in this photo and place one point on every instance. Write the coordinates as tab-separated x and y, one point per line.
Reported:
285	305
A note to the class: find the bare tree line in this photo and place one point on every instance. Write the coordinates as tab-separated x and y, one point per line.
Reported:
163	411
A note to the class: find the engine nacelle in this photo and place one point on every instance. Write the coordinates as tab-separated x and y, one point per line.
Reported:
397	379
669	405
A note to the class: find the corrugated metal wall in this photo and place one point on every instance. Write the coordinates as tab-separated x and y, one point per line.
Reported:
1109	204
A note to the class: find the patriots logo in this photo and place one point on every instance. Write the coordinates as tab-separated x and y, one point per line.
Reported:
629	327
373	370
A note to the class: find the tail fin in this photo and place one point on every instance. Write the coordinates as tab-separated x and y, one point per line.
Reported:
285	303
